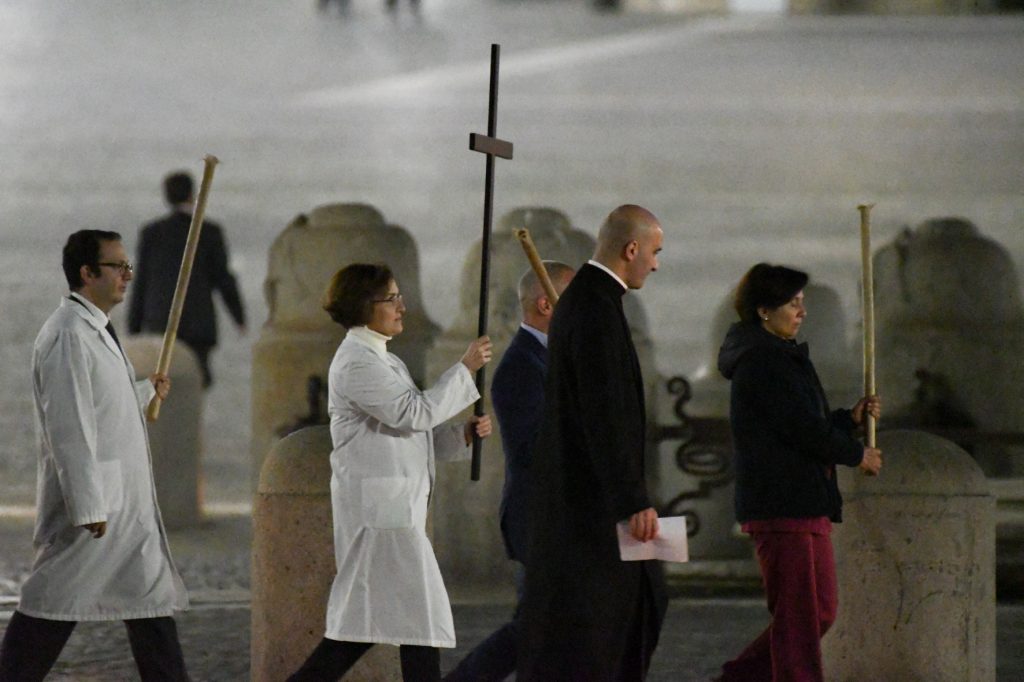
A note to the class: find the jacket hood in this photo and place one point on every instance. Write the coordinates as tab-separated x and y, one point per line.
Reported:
743	337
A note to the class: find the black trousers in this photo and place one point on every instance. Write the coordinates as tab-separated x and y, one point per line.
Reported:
331	659
31	647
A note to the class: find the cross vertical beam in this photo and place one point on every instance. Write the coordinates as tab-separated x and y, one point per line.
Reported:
490	146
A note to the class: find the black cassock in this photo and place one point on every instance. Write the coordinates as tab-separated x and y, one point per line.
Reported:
587	615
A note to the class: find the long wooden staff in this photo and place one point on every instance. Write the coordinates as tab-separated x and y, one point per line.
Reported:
523	235
178	302
868	310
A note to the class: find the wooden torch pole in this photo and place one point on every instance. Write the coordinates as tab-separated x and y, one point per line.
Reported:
178	302
868	311
523	235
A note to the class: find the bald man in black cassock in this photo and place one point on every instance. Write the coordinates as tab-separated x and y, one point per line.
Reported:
587	615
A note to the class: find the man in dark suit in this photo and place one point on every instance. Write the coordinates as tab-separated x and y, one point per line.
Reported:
158	259
517	393
588	616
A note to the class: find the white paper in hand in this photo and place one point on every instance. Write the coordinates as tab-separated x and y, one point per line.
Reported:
668	545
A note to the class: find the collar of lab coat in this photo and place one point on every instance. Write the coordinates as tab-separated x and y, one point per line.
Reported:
373	340
94	316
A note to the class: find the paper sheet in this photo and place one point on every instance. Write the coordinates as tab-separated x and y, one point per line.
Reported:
668	545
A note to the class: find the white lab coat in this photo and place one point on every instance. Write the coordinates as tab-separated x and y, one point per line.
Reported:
94	465
386	435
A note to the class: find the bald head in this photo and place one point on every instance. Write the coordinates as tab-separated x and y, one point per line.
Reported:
628	244
537	309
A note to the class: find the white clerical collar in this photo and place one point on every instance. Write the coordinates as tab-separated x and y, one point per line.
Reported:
537	334
606	269
375	340
98	314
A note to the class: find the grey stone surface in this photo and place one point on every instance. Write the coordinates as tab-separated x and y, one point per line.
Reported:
916	556
954	312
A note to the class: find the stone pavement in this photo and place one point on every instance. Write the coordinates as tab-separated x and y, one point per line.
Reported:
699	633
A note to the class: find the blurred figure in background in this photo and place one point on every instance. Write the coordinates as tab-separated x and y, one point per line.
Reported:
157	262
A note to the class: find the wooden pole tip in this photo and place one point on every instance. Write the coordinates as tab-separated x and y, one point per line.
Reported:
211	159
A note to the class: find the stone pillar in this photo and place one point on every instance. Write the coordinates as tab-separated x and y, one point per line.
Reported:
710	472
176	438
467	538
916	566
299	339
951	334
293	562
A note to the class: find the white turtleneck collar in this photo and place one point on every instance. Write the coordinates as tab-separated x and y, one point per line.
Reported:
375	340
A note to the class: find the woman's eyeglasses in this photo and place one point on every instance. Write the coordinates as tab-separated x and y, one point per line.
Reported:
393	299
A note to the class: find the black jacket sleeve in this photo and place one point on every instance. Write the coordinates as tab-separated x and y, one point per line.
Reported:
221	278
763	378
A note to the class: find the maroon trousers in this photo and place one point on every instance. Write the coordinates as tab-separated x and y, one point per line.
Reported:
799	574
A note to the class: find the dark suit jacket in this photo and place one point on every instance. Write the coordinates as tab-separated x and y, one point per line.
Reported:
517	393
157	261
587	614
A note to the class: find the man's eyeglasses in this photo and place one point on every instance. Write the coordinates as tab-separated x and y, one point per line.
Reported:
394	299
125	267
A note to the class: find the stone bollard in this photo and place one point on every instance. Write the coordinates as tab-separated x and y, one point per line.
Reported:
467	537
915	558
299	339
293	562
176	437
951	335
709	470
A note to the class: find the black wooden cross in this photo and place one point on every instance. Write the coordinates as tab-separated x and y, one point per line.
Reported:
491	146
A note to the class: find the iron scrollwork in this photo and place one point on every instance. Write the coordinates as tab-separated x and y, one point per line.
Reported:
705	454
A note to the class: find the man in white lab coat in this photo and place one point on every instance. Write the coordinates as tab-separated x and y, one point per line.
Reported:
101	549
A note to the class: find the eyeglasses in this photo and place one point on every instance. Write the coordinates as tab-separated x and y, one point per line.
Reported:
394	299
125	267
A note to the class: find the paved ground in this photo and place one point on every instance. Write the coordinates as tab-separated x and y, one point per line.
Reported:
214	561
752	137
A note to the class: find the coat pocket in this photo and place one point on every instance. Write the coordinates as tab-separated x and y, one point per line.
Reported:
387	502
113	486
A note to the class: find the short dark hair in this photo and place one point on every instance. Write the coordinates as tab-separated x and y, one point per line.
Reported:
83	248
767	286
349	296
178	187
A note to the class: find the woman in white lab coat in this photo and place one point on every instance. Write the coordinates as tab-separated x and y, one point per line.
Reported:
386	435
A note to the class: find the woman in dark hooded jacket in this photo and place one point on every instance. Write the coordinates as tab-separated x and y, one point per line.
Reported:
787	445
